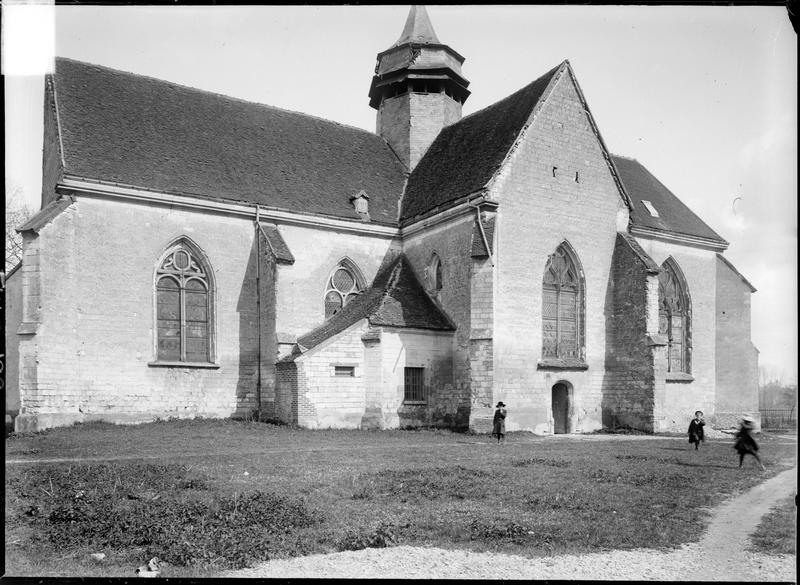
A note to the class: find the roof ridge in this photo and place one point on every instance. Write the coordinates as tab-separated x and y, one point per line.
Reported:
511	95
214	93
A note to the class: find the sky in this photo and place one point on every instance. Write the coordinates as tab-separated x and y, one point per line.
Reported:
704	96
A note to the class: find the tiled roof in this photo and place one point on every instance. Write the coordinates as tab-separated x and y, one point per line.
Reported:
418	28
465	155
478	245
45	215
673	215
395	299
649	264
277	244
124	128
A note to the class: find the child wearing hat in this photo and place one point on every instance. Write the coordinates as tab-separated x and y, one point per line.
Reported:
499	422
745	443
696	434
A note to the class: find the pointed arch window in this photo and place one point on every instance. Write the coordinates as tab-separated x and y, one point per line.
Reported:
183	307
562	304
344	284
435	276
674	316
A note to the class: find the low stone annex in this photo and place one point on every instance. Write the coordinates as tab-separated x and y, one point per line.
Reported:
200	255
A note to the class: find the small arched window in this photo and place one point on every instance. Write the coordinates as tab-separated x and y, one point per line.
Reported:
562	302
183	307
674	316
435	277
344	284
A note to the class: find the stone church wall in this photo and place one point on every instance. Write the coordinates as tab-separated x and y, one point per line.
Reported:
682	398
326	400
94	267
538	211
452	242
301	286
630	382
310	394
737	357
432	351
13	317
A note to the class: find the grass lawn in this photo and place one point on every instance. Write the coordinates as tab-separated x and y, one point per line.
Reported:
777	533
209	495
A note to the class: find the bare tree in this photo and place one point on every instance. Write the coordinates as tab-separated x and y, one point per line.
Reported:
17	213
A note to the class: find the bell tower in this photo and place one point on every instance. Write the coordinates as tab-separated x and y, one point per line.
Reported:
418	88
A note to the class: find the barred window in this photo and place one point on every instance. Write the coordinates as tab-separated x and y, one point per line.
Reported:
344	284
414	385
674	316
562	300
183	307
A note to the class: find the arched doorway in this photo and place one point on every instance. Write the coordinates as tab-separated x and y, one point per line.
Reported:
560	402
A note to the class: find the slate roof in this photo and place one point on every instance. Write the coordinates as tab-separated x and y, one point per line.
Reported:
674	215
418	28
277	244
395	299
649	264
45	215
143	132
478	245
465	155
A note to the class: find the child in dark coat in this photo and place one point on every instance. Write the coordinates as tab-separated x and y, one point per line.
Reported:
499	422
745	443
696	434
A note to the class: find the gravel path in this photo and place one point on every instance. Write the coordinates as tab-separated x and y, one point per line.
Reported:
719	556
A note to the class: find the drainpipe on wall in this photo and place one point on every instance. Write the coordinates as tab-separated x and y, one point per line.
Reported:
483	233
258	231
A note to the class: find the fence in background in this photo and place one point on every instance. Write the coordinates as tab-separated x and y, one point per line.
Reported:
774	418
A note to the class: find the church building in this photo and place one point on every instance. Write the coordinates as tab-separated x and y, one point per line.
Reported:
200	255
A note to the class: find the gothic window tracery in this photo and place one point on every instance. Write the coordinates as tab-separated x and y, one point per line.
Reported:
344	284
673	317
562	301
183	307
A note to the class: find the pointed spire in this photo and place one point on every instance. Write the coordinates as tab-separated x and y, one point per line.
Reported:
418	28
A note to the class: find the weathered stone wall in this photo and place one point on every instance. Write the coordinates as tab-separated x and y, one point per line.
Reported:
681	398
89	284
326	400
433	351
628	385
410	122
13	318
451	242
737	357
481	344
300	289
312	396
540	208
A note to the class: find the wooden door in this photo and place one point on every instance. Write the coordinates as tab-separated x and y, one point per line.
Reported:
560	408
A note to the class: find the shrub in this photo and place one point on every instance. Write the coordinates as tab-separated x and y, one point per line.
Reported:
380	536
166	510
498	529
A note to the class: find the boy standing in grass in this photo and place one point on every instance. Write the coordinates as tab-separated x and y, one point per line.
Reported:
696	434
745	443
499	422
